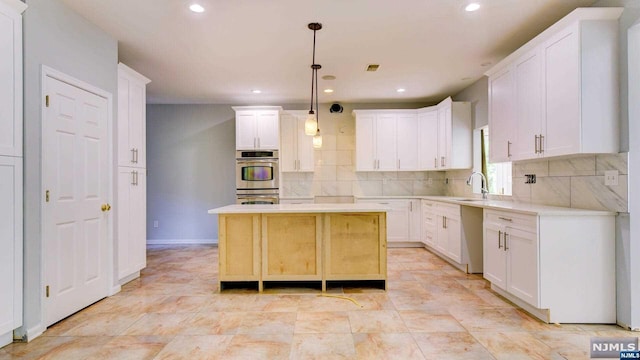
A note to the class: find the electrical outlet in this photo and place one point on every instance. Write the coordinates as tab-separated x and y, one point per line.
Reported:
531	178
611	178
155	223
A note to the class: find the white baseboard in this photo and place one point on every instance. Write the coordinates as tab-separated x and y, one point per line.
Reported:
181	241
22	334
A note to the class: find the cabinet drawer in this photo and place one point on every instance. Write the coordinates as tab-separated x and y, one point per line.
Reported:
513	220
449	210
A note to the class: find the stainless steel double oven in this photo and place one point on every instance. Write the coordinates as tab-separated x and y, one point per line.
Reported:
257	173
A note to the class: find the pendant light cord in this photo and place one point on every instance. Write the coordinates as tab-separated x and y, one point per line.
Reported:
313	71
317	107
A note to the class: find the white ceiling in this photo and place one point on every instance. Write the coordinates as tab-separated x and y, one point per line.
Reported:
432	48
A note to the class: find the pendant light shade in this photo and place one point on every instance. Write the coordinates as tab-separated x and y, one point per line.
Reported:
311	124
317	140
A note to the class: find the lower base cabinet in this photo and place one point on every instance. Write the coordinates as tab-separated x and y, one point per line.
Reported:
404	219
131	210
302	247
560	268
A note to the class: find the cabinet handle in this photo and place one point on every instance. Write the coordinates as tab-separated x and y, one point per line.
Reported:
133	155
504	218
505	241
499	239
536	143
133	177
435	162
508	148
442	162
541	144
398	163
444	220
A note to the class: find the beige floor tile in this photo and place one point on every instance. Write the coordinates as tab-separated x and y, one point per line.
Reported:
423	321
179	304
268	323
570	344
275	303
376	321
322	322
104	324
196	348
512	345
65	347
214	323
259	346
160	324
450	346
386	346
322	346
132	348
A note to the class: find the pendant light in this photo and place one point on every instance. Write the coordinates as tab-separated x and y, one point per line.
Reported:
317	138
311	124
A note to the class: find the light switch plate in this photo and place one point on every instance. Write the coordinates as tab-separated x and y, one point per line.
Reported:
611	178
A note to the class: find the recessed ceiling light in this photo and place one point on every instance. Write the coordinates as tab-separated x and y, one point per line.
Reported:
401	90
197	8
328	77
373	67
472	7
256	91
328	91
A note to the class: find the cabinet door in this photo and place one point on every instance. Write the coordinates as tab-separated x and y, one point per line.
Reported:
415	220
267	124
386	138
407	135
10	82
442	235
428	143
123	212
522	265
10	243
288	143
246	138
126	153
305	148
137	122
138	221
428	223
562	96
398	223
528	92
444	137
501	115
365	143
454	238
494	261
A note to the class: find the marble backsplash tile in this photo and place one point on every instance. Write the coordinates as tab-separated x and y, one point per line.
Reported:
575	166
552	190
589	192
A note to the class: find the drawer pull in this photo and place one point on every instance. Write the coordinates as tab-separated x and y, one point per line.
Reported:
499	237
504	218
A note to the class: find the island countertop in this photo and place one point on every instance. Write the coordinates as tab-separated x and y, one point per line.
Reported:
300	208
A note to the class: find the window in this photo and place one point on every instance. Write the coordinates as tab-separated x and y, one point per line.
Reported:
498	174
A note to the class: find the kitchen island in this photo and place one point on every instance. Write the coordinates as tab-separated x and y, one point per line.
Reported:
302	243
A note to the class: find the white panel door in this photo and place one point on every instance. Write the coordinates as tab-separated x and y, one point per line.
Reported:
246	138
522	265
365	143
407	135
501	116
10	81
268	133
494	258
428	141
76	178
289	143
386	138
137	122
562	96
10	243
528	119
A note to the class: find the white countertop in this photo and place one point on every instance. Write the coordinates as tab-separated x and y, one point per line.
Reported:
513	206
300	208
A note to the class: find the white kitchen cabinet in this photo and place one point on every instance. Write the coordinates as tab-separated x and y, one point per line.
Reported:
365	142
428	139
132	222
11	168
501	115
454	135
296	148
448	233
565	94
559	267
257	127
11	77
407	141
429	229
386	141
131	117
403	220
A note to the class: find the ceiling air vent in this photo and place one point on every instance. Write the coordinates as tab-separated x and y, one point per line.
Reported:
373	67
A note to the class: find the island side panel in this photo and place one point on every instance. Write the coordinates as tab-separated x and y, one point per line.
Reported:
291	246
239	247
355	246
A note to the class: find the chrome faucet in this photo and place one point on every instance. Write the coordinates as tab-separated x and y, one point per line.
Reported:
483	188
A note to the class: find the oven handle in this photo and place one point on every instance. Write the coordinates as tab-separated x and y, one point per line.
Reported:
242	161
256	196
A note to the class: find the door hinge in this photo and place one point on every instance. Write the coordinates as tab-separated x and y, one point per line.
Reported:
46	100
47	290
46	196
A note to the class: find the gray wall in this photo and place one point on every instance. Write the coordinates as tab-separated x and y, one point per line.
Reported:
191	168
56	37
478	95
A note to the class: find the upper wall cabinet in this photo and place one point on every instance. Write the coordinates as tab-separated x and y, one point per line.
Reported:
296	148
132	98
558	94
432	138
257	127
11	77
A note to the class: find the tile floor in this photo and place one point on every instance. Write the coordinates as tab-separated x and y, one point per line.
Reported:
430	311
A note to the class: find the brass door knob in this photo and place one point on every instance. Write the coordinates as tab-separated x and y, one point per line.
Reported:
105	207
